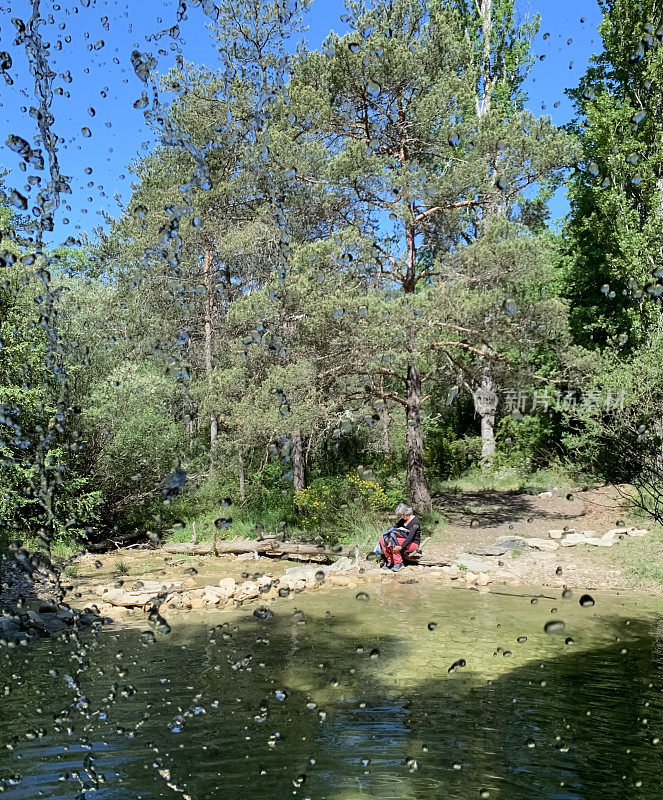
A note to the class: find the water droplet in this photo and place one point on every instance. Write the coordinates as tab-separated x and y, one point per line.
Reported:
586	601
555	626
432	626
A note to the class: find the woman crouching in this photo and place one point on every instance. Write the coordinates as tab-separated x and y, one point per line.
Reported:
405	537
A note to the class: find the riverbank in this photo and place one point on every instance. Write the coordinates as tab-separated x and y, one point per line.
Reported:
489	540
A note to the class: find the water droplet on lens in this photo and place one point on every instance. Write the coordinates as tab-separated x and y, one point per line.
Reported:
586	601
555	626
432	626
362	596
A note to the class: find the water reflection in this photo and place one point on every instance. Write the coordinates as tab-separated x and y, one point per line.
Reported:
341	699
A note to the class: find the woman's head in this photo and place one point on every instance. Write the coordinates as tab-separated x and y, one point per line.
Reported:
403	511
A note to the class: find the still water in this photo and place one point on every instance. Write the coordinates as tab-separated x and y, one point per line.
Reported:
339	696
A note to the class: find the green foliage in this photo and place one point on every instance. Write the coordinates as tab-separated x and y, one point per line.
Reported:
529	442
332	505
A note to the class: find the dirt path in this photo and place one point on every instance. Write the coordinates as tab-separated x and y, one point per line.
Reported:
479	519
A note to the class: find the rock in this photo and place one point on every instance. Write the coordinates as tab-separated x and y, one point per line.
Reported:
469	577
9	630
246	557
227	586
45	607
600	542
247	591
52	624
542	544
339	580
556	534
197	603
66	616
572	540
493	550
454	570
473	563
641	532
483	579
590	534
545	494
618	531
513	543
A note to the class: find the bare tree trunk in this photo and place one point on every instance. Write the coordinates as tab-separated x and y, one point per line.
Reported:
240	469
485	404
297	455
484	99
421	499
214	426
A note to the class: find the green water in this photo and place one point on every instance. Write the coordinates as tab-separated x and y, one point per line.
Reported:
345	698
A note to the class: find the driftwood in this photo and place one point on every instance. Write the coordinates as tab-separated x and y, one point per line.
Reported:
273	547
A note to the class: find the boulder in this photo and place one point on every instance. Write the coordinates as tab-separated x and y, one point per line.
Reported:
484	579
542	544
470	577
555	534
453	571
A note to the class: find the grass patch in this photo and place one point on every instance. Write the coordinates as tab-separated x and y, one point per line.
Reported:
71	570
121	568
511	479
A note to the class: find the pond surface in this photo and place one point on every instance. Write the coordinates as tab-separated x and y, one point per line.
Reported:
339	696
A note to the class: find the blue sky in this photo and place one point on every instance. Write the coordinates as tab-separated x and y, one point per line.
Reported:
103	84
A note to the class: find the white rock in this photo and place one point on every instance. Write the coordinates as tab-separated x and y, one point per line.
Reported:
590	534
470	577
618	531
542	544
484	579
227	586
642	532
600	542
572	540
247	591
555	534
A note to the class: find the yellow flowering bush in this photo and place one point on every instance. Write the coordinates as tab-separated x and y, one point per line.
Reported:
327	500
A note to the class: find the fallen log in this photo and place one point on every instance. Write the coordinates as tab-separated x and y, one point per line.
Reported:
267	547
273	547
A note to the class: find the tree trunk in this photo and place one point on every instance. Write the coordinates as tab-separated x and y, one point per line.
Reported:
484	100
240	469
421	499
214	426
385	421
297	455
485	404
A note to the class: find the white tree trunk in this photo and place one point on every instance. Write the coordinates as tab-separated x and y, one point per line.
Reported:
485	404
